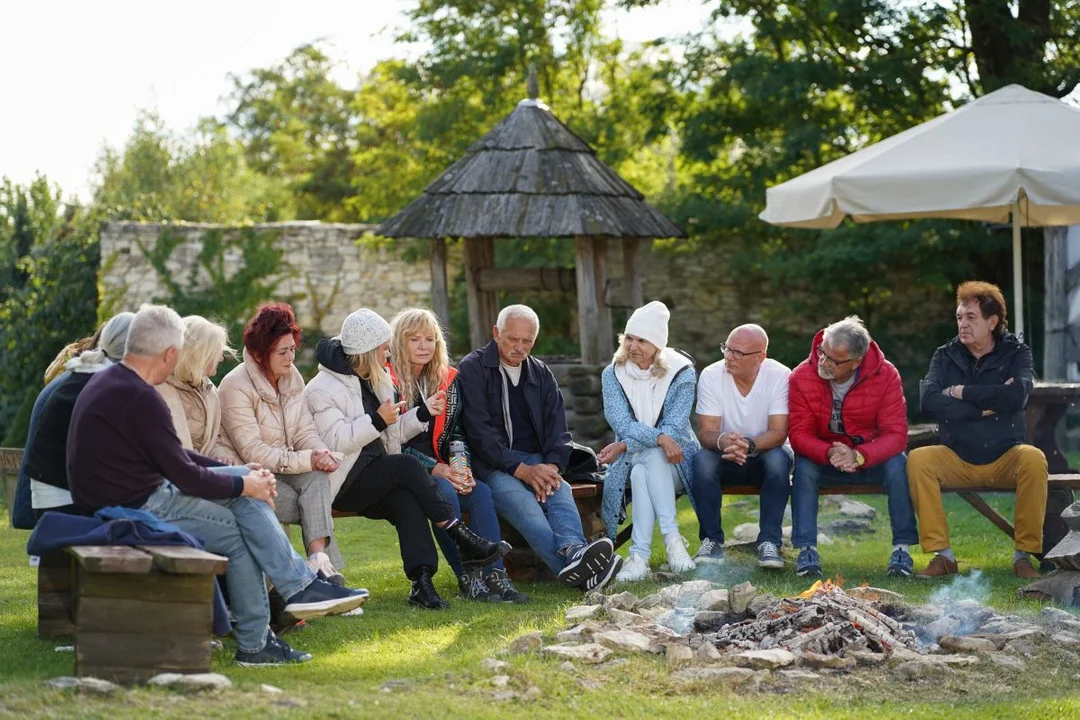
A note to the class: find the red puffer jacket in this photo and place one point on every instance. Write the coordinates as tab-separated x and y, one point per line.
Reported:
874	410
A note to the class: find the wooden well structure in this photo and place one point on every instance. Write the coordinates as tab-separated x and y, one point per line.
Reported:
532	177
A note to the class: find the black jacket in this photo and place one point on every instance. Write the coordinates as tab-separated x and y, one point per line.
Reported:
46	457
980	439
482	411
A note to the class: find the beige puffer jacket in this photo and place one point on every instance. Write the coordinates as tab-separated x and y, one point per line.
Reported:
268	426
196	415
337	405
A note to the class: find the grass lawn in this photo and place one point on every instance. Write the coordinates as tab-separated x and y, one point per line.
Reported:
397	661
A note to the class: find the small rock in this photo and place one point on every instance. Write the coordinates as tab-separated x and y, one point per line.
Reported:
849	526
956	660
493	665
856	509
669	596
966	644
678	655
826	662
759	603
527	643
835	499
1059	618
625	618
504	696
533	693
902	654
270	689
620	601
647	602
867	657
723	674
1008	662
581	612
594	597
624	640
500	681
712	620
392	685
590	653
947	625
740	596
715	600
916	669
745	533
690	592
582	632
823	539
91	685
799	674
765	659
707	653
567	667
1065	639
1023	646
194	681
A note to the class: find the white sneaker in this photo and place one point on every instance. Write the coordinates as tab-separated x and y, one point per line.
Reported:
678	558
321	561
635	568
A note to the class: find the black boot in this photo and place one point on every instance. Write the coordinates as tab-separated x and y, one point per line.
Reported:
423	593
475	551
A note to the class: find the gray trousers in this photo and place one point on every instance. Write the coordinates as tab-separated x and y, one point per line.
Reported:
305	499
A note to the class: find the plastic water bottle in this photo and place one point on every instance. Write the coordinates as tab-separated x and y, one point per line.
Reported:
459	461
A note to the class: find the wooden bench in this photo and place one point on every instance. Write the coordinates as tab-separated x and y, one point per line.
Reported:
134	611
10	461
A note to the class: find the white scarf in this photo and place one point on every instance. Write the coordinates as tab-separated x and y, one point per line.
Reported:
641	390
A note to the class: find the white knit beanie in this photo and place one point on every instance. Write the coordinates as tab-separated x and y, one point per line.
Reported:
362	331
650	323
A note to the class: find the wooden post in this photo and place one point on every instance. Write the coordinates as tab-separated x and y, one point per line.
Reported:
440	292
594	317
631	252
483	306
1056	312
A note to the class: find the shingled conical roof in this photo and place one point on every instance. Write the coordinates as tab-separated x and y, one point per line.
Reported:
529	177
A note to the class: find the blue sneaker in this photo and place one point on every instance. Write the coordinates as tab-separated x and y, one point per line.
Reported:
324	598
710	553
809	563
275	652
900	563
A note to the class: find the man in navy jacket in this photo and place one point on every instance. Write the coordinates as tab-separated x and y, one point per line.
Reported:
515	422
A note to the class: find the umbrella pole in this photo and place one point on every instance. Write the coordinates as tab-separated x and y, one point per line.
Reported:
1018	274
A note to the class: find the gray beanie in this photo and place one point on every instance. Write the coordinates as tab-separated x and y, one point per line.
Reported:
114	335
362	331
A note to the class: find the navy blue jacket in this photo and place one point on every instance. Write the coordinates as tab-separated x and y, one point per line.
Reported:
980	439
482	411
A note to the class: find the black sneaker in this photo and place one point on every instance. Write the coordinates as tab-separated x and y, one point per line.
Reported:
602	578
471	586
586	562
275	652
502	589
322	598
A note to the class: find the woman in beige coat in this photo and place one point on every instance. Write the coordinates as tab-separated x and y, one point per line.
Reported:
264	415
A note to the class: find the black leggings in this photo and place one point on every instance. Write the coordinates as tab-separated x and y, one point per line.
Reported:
399	489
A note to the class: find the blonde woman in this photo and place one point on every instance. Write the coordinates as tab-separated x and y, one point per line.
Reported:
358	413
420	366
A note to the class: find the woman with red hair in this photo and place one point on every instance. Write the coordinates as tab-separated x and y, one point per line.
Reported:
264	415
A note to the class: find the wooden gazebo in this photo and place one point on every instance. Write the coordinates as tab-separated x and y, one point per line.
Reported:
532	177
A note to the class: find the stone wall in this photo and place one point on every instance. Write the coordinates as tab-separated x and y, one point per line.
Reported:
582	395
325	274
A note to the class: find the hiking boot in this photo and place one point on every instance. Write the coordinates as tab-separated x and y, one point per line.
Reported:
475	551
471	586
423	593
635	568
1024	570
602	578
900	564
768	556
320	562
678	559
586	561
710	553
940	566
324	598
275	652
809	563
502	589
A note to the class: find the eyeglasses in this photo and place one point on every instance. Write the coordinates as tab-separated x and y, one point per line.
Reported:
737	354
832	361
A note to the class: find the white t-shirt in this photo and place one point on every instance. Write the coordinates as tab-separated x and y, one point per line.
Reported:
717	396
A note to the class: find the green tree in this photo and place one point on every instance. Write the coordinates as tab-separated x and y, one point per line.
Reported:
28	215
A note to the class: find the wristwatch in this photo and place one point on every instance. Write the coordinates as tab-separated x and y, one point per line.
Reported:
751	446
860	460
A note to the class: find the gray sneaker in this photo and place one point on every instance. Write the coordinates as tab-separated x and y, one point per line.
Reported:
710	553
768	556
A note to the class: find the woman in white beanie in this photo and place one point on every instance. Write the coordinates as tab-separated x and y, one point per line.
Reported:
648	394
358	413
266	421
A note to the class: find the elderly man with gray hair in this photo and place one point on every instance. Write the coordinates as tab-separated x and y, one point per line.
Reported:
124	451
515	425
848	424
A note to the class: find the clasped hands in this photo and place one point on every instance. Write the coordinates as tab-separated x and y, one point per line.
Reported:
734	446
260	484
842	458
544	479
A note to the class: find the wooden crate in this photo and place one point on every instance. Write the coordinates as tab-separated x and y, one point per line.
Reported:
55	606
142	611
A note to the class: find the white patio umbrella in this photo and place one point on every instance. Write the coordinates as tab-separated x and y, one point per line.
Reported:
1013	152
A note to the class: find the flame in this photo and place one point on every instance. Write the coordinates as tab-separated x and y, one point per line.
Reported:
821	586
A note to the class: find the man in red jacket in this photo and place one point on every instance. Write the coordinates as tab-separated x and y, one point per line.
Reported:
848	424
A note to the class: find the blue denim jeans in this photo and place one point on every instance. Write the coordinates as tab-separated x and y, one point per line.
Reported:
482	520
891	474
770	471
248	533
549	527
